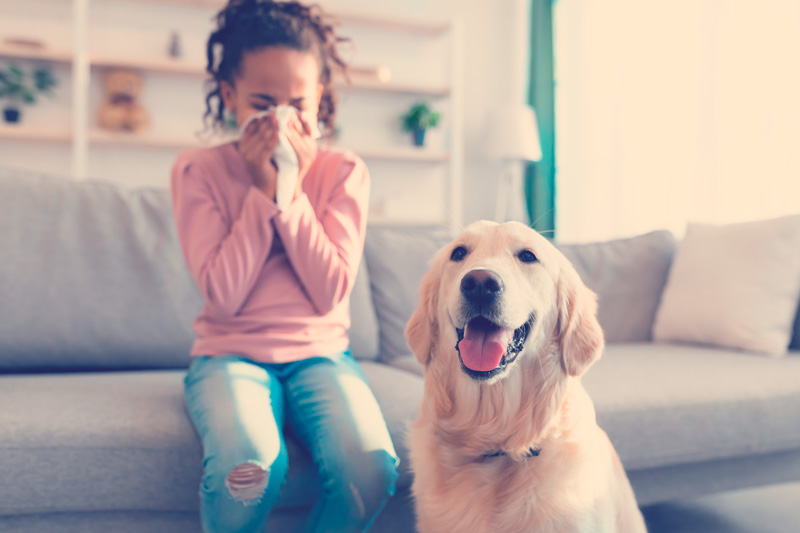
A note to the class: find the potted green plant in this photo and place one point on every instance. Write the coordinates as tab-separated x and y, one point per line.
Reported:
17	90
418	119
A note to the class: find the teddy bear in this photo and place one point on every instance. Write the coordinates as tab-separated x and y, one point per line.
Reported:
121	111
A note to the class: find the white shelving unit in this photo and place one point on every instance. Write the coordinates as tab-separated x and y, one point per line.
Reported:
84	137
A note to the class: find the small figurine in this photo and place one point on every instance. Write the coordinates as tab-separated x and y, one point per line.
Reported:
122	110
175	49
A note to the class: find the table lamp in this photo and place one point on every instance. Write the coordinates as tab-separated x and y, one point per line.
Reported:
512	135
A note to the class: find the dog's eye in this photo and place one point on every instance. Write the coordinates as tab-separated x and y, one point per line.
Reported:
458	254
526	256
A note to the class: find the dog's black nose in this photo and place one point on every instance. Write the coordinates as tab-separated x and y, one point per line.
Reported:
481	287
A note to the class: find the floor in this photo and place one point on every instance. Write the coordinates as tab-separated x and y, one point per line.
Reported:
773	509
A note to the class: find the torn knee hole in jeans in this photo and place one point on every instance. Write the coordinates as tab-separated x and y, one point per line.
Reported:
247	482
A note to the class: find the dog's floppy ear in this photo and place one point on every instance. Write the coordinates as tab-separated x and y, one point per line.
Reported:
422	329
581	337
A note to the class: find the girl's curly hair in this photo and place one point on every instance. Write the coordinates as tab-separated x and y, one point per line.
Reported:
248	25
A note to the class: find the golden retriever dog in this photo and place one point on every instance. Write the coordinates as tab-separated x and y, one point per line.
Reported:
506	439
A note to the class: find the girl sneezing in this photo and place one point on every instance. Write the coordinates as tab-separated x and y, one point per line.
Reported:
271	351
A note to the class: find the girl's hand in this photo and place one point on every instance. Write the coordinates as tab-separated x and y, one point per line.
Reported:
299	135
257	145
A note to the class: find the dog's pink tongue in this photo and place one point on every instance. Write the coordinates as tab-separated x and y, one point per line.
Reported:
482	350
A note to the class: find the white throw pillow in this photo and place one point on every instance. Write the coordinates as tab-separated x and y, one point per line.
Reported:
735	286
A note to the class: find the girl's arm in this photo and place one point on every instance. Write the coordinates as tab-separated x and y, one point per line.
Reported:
225	258
325	252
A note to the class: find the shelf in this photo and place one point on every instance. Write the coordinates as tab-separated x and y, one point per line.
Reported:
405	24
395	87
108	138
35	134
421	155
56	56
100	137
381	220
217	4
162	66
147	140
181	67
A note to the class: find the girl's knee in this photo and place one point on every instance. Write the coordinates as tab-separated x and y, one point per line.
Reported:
367	485
383	474
240	497
247	483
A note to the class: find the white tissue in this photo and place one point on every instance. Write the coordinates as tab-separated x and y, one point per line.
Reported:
285	159
284	156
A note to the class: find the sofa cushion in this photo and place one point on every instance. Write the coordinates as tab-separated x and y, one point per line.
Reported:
123	440
734	285
795	345
92	277
665	404
363	331
628	276
397	258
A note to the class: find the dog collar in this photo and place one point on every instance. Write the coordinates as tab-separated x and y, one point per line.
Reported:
533	452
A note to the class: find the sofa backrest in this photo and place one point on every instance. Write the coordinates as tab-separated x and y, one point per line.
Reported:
628	276
92	277
398	258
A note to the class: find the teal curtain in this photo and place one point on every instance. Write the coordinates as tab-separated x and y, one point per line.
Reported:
540	185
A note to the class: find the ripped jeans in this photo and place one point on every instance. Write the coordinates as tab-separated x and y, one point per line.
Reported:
238	408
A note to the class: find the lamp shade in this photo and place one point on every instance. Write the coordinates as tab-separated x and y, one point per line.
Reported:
512	132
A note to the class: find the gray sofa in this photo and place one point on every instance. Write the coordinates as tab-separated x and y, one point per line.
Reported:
96	308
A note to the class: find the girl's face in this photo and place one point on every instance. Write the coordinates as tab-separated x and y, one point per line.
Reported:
272	76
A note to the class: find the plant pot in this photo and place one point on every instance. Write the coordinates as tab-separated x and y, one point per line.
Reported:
11	115
419	137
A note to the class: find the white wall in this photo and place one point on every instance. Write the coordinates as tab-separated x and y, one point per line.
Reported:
493	52
698	121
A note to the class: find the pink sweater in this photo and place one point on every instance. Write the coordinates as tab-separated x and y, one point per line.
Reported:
276	284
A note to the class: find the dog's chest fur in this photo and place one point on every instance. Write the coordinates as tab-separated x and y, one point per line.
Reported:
502	494
468	492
